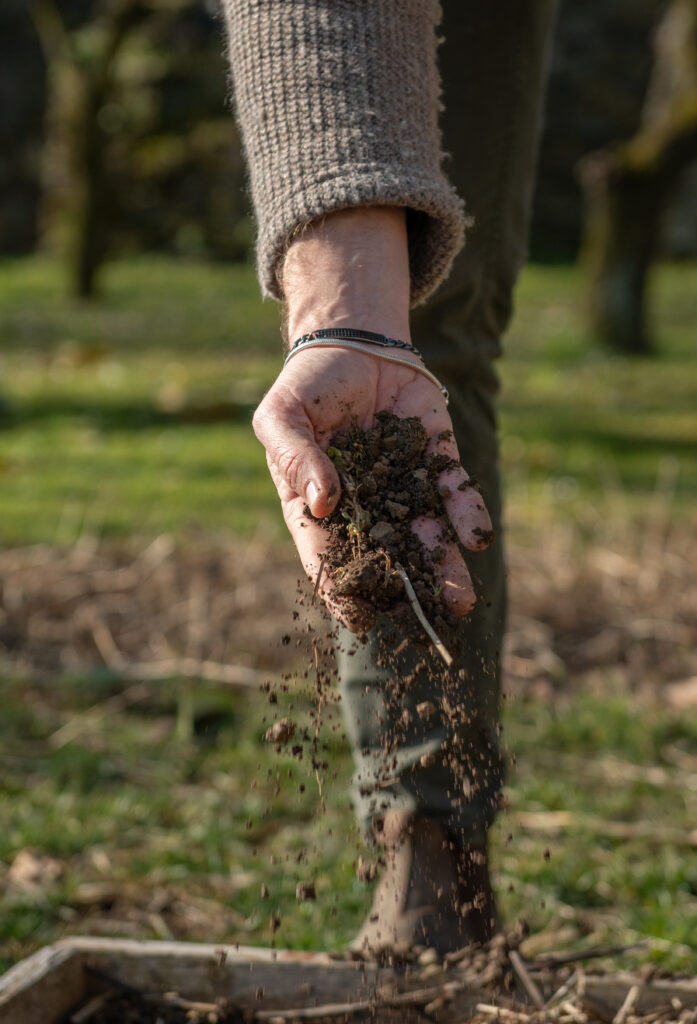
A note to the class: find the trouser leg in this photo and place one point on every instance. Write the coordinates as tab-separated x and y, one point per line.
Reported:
448	765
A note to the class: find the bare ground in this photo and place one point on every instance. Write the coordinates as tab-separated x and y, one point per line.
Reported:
620	610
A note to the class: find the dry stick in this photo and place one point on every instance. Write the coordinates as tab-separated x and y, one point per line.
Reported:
562	991
550	960
418	997
497	1011
628	1005
418	611
527	982
192	668
76	725
573	1012
158	671
174	999
90	1009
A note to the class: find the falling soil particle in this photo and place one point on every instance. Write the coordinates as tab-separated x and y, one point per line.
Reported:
366	870
305	891
281	731
426	709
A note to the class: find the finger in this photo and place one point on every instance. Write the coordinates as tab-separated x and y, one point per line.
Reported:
312	540
458	591
285	430
462	499
466	510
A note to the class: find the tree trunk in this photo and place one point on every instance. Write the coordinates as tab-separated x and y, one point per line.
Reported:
628	186
90	83
90	226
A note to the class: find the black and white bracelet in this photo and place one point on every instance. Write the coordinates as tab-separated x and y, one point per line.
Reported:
349	334
368	342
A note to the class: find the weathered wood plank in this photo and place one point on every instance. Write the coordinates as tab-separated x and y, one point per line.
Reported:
42	988
247	976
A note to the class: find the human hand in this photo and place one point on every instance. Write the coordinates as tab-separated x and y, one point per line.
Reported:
352	270
323	390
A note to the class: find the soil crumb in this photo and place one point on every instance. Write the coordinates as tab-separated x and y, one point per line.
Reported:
388	480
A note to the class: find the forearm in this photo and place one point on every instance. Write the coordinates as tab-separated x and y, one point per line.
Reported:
350	269
338	108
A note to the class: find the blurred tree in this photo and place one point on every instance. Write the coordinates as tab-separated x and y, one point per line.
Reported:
131	130
627	187
82	66
80	73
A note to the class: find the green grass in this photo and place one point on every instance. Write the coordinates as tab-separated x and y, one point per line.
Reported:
131	806
130	417
132	414
580	422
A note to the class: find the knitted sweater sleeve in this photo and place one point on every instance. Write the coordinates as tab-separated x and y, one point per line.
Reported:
337	102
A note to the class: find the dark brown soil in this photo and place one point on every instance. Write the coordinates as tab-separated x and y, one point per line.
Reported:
388	480
133	1008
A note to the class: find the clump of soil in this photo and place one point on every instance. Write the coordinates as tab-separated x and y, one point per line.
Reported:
387	481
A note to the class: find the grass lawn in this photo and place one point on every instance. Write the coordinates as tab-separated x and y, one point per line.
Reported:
132	414
128	419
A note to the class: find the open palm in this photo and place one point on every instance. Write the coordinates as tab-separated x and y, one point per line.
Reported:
323	390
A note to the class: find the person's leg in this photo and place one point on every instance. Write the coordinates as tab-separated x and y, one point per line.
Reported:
446	765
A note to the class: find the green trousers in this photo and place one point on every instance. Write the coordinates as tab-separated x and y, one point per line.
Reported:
430	746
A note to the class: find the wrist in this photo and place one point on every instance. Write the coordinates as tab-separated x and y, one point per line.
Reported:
350	269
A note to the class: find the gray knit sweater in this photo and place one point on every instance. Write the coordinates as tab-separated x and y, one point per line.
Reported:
337	101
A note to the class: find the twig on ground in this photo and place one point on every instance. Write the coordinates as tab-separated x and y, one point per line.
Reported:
562	991
418	997
190	668
496	1011
418	611
76	725
238	676
525	979
592	953
174	999
90	1009
551	821
573	1013
628	1005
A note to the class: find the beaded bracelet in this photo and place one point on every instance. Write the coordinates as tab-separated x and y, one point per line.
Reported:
367	342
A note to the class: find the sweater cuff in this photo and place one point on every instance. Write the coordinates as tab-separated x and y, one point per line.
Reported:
337	101
435	223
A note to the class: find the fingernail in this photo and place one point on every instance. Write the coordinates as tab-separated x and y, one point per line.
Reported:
311	494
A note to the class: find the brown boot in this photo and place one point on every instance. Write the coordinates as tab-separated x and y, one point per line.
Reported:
433	891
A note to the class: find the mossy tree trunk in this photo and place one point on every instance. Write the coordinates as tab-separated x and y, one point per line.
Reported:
628	186
82	74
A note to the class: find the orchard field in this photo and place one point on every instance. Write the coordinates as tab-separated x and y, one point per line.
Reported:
148	590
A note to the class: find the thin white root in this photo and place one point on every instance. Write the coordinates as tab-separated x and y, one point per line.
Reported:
418	611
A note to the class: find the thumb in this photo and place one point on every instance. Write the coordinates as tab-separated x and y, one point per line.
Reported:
288	436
